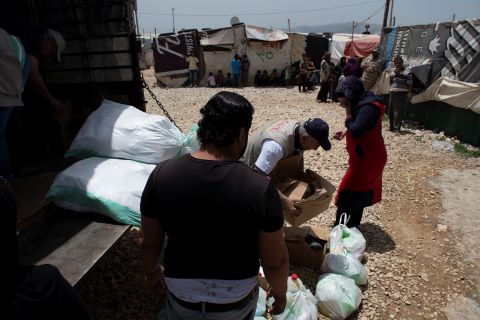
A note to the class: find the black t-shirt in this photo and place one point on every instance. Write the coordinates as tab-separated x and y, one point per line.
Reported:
212	212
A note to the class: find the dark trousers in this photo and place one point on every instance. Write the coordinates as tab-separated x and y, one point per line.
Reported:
396	110
302	82
323	93
354	216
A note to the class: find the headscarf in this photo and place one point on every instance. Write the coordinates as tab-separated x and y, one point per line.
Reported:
351	88
352	68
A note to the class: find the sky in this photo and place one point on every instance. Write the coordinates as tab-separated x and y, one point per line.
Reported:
275	13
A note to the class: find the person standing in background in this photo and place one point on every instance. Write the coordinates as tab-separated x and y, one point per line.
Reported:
371	69
400	88
236	66
302	75
245	65
326	70
192	69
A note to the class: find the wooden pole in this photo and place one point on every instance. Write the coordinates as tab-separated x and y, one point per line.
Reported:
385	15
391	13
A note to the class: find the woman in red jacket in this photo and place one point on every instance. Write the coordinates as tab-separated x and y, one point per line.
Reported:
361	185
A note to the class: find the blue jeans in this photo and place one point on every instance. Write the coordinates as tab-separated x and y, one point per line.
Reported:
193	76
235	79
175	311
5	169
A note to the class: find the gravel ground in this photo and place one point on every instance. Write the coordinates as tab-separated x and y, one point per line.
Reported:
414	266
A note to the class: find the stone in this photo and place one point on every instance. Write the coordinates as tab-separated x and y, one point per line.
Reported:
441	228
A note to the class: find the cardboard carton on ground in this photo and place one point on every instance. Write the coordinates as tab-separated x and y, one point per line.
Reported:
315	193
300	251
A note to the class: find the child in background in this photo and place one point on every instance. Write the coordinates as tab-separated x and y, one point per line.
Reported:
211	80
219	78
228	80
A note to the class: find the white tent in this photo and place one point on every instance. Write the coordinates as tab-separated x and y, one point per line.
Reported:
267	49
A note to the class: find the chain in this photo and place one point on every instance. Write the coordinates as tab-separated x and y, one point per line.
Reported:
145	85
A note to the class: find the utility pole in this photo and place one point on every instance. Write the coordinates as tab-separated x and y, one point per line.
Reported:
385	15
289	30
453	17
353	31
173	18
155	31
391	13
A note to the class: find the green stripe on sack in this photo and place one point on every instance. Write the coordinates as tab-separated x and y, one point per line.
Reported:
114	210
80	153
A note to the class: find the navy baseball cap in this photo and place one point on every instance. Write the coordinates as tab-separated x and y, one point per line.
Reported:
318	129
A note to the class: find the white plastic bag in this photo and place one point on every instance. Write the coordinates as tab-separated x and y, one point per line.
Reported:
346	265
301	304
120	131
351	239
337	296
112	187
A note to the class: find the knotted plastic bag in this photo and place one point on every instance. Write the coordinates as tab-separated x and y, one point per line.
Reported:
350	239
337	296
346	265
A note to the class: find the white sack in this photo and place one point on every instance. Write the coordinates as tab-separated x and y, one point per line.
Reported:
111	187
120	131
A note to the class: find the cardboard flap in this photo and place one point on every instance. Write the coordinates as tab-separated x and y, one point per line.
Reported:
296	234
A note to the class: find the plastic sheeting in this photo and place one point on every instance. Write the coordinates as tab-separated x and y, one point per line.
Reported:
363	44
456	93
264	34
450	49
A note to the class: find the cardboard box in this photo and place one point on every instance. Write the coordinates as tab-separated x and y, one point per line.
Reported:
300	251
312	204
287	169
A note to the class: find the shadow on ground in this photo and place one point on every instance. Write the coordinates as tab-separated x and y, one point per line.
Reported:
378	240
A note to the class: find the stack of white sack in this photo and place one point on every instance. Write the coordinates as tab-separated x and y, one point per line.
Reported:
135	141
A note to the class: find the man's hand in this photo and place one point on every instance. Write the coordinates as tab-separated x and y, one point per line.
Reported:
289	206
61	111
339	135
155	282
279	304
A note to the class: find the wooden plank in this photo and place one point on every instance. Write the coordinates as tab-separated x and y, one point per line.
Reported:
73	242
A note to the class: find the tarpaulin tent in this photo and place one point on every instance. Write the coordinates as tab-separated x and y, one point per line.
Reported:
317	45
444	59
267	49
170	52
361	45
443	49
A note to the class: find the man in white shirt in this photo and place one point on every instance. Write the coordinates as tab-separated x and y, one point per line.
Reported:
281	140
192	69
